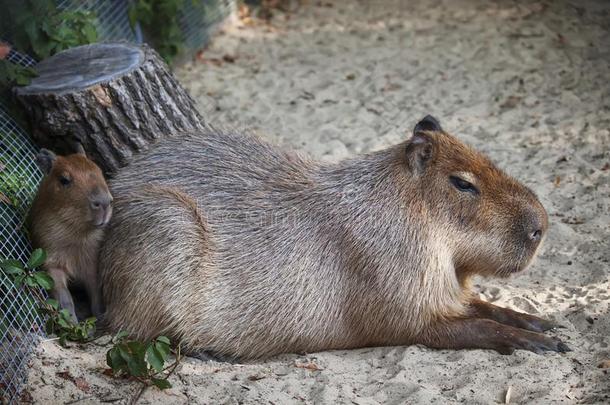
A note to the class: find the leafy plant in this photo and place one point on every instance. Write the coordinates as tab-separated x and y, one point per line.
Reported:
26	275
144	361
159	21
59	322
13	74
39	27
18	181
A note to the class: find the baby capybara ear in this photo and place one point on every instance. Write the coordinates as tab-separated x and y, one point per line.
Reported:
45	159
428	123
78	148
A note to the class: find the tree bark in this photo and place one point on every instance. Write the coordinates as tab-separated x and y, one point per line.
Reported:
116	99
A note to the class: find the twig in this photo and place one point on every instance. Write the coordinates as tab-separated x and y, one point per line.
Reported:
135	399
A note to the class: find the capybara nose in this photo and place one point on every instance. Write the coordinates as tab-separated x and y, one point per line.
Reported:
101	202
535	227
535	235
101	208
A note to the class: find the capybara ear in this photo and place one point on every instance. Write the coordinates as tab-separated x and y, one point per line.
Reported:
419	152
428	123
45	159
78	148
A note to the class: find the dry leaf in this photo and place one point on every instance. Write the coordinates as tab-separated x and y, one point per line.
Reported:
65	375
82	384
4	50
101	95
509	392
557	181
5	199
604	364
310	365
511	102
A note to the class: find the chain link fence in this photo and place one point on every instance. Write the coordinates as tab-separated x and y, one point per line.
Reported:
199	19
20	324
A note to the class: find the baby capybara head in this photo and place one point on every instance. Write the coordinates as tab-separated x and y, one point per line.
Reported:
493	223
74	189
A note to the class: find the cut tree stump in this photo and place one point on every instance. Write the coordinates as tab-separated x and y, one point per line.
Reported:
117	99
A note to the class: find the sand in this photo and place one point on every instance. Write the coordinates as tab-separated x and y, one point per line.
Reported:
525	82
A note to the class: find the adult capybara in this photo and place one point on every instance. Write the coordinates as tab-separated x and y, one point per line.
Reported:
67	219
236	247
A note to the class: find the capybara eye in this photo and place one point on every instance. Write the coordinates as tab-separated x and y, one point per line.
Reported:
65	180
463	185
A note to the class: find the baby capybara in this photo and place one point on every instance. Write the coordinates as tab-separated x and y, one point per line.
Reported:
67	219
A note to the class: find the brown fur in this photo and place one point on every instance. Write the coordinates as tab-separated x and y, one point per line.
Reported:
245	250
68	220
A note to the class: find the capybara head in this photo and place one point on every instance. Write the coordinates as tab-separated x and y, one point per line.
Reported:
493	224
74	188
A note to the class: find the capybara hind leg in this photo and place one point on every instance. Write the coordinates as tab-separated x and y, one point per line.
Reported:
206	355
476	333
61	293
92	286
482	309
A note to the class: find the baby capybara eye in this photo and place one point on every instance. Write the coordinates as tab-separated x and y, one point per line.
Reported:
65	180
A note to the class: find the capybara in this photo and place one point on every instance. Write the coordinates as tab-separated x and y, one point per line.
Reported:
237	248
70	211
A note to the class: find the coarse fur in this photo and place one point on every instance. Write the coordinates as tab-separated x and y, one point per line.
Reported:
67	219
234	246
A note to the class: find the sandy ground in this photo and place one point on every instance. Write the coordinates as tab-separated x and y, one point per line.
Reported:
528	83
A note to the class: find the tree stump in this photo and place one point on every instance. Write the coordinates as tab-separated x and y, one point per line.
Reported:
116	99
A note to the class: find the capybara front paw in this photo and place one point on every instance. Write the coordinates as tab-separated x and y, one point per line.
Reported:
536	324
540	344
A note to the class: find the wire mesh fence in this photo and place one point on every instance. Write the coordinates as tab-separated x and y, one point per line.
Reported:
112	17
199	19
20	323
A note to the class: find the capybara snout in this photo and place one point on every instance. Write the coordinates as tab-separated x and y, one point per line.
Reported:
100	204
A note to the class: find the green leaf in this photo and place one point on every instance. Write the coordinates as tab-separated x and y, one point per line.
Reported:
90	33
53	303
44	280
19	280
119	337
115	361
137	367
163	350
154	358
137	364
124	351
62	339
37	258
30	281
64	320
163	339
12	270
138	349
161	383
49	326
11	263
